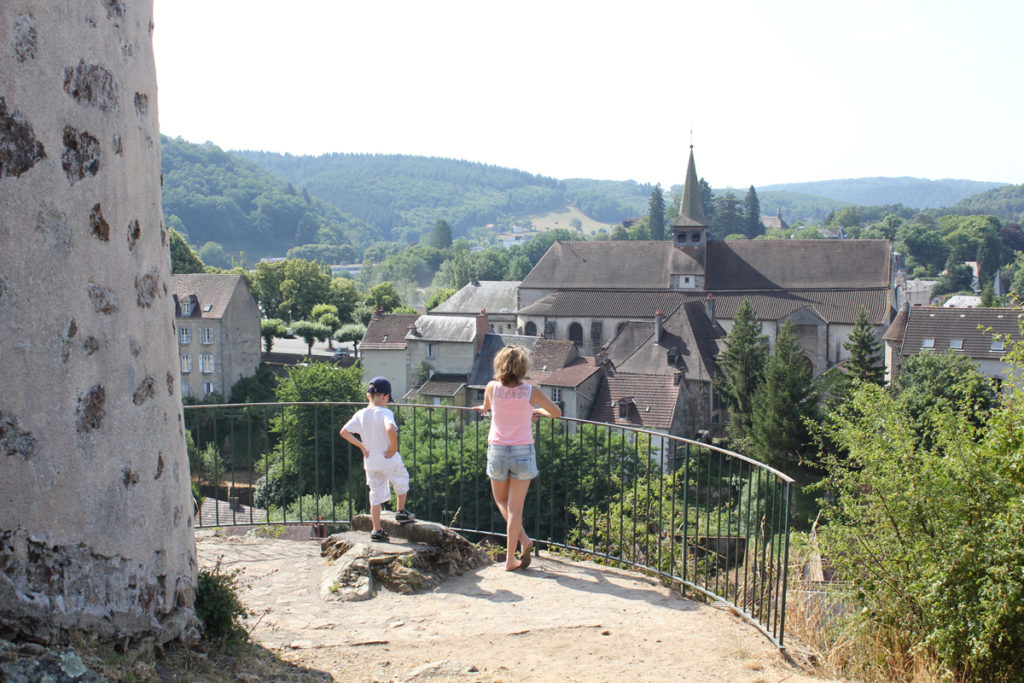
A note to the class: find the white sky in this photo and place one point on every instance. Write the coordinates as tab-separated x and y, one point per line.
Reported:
775	91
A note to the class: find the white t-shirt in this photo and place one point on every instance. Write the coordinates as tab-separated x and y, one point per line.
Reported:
371	424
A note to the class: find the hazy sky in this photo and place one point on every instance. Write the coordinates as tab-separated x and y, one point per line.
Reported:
775	91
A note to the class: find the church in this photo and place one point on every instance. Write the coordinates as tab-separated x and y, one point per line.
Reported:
670	303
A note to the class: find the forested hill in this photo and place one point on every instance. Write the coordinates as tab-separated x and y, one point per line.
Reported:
406	195
1006	202
212	196
915	193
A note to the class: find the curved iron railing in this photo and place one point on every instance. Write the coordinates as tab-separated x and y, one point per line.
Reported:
697	516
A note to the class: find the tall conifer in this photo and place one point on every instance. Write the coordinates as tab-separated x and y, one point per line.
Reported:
656	214
865	362
742	363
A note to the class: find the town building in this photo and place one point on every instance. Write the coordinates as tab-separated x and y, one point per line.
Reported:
495	298
217	324
981	334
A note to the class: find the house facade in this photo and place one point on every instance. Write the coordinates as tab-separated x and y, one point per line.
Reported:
217	324
981	334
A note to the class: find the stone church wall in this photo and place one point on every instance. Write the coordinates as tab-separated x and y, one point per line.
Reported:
95	510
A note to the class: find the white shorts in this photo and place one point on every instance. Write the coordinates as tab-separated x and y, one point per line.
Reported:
387	472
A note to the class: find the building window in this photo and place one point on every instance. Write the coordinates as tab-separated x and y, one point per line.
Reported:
184	388
206	363
430	350
956	344
576	333
205	335
997	345
556	394
596	333
549	329
928	343
623	410
695	237
186	363
185	335
186	308
531	329
207	308
207	388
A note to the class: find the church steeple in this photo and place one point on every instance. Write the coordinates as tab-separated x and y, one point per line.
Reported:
690	227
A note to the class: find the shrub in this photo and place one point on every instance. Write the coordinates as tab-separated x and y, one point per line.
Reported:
218	607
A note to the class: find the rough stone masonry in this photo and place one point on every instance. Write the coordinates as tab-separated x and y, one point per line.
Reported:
95	509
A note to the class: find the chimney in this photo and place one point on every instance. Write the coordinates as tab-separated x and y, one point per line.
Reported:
709	307
412	329
474	281
482	328
657	326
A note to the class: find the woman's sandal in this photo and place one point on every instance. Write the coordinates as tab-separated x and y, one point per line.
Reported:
524	558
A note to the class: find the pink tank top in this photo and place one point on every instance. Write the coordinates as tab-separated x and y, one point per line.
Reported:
511	415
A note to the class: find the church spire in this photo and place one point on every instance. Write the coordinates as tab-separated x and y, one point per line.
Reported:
691	209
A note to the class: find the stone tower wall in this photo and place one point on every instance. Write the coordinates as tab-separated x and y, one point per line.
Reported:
95	504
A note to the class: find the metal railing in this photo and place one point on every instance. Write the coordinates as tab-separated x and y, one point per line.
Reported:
699	517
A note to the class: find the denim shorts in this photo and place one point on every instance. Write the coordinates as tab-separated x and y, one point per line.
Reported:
518	462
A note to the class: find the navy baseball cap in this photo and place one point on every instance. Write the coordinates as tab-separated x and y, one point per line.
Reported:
379	385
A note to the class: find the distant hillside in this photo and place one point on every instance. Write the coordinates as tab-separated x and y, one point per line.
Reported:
916	193
406	195
1006	202
220	198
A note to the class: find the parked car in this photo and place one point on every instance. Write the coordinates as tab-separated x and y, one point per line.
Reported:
341	353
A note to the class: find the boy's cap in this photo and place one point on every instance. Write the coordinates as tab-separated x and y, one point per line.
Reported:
379	385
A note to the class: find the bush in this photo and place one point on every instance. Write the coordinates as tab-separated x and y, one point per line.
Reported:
218	607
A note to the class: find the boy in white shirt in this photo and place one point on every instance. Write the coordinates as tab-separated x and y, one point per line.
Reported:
375	425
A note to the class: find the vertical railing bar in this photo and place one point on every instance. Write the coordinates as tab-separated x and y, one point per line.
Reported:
785	572
661	494
686	520
746	542
730	548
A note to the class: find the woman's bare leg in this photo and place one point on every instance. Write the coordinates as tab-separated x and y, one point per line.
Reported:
506	493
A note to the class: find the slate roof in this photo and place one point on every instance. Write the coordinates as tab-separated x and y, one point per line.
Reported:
493	296
736	265
652	400
443	328
798	264
688	344
967	324
549	355
387	332
833	305
441	384
483	367
209	289
613	265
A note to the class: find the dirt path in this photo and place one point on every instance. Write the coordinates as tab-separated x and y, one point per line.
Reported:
558	621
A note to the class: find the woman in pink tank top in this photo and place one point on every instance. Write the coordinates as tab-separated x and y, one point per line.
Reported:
511	457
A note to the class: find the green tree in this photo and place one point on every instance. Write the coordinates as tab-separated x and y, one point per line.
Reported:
991	257
304	285
383	297
656	213
351	332
345	297
183	258
311	332
728	217
214	254
784	403
927	533
752	214
619	232
707	199
519	267
270	328
865	363
742	364
456	271
441	235
438	297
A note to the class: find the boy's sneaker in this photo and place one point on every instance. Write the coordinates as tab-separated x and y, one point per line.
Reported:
380	536
404	516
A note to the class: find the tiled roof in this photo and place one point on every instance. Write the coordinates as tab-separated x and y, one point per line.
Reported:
572	375
549	355
493	296
969	325
213	290
619	264
387	332
798	264
442	385
651	400
835	306
446	328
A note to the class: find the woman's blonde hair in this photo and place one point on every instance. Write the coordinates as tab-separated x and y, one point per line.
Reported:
511	365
